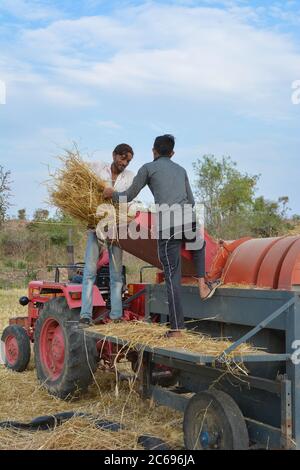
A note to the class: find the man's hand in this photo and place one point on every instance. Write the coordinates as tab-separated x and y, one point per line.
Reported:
107	193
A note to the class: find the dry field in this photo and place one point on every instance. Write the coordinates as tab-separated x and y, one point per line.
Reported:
22	399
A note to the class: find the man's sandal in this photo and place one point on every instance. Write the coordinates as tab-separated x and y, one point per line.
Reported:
213	286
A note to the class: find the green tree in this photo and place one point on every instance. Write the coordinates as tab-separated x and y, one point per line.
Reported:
296	219
56	228
269	218
231	208
226	193
4	192
41	215
22	214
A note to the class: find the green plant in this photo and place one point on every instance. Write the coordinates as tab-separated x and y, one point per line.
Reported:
21	265
9	263
231	208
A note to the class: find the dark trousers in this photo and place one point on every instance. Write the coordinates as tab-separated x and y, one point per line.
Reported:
169	251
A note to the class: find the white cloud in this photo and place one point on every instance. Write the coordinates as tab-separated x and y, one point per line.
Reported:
25	83
61	96
200	53
31	10
109	124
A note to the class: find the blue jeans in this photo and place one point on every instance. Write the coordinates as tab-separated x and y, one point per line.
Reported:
92	253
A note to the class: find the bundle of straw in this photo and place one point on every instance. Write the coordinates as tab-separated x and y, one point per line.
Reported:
76	189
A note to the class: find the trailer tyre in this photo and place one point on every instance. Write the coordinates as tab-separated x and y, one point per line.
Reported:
65	357
16	348
213	420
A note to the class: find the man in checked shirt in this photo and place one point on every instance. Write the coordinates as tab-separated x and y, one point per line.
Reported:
116	176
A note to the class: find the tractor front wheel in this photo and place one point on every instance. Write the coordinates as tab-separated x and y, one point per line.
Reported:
65	358
16	348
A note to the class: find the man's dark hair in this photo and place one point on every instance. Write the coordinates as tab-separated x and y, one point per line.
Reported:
164	144
123	149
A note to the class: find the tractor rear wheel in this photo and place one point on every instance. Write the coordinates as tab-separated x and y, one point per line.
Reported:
65	358
16	348
213	421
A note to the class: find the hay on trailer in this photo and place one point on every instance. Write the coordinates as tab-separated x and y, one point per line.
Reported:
138	333
241	285
78	191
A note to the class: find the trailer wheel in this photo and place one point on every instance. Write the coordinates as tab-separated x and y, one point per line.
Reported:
16	348
213	420
65	358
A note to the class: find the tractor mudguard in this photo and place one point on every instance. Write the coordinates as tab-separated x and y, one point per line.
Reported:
73	295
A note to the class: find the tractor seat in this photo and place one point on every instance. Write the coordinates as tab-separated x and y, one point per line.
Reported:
102	279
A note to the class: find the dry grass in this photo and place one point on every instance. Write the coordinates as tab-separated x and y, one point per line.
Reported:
75	434
240	285
9	305
295	230
22	398
152	336
76	189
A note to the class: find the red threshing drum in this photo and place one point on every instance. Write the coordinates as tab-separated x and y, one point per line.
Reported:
290	270
267	262
244	264
270	268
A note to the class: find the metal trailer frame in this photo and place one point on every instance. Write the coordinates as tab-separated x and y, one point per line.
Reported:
269	397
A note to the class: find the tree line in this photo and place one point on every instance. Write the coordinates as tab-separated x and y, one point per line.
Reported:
232	207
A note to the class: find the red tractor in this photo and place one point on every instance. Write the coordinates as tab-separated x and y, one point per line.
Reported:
65	358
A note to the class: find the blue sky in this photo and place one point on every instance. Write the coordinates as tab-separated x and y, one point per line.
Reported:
216	74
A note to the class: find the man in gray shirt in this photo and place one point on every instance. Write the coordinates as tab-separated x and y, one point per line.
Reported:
171	189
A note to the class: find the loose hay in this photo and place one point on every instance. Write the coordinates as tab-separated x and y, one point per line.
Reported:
241	285
77	190
22	399
77	433
152	336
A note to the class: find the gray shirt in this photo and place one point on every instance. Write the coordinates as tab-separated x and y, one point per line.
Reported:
167	181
